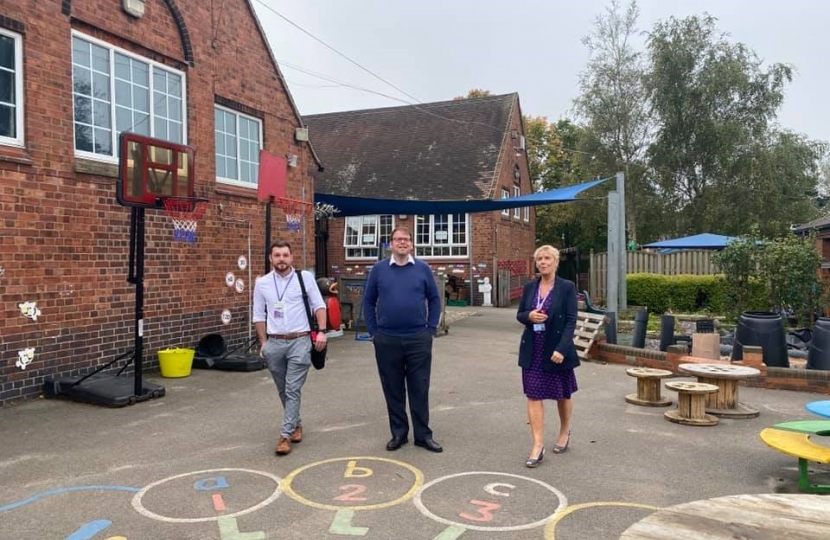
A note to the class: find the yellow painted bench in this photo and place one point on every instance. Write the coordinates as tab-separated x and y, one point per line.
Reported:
799	445
588	326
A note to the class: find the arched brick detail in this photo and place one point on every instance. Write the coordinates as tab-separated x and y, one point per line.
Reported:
187	48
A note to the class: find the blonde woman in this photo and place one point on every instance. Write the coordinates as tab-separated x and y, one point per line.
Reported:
547	355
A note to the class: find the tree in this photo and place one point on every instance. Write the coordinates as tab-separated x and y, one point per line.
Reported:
614	103
474	93
717	161
738	261
790	266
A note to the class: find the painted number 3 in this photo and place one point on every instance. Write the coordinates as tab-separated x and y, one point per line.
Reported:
485	511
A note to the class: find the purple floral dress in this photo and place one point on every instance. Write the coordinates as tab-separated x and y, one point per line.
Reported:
539	384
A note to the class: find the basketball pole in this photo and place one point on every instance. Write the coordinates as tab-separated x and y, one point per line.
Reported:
268	235
136	277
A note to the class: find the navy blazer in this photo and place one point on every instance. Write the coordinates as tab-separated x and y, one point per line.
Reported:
559	328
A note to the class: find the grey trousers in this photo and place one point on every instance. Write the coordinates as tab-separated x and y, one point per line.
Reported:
288	361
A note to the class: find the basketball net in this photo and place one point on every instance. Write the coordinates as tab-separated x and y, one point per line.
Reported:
185	214
294	211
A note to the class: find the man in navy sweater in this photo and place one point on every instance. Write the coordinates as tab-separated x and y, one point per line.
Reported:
402	306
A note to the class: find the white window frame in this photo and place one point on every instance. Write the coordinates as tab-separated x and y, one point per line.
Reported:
426	244
112	50
253	164
517	192
505	195
526	211
360	246
19	138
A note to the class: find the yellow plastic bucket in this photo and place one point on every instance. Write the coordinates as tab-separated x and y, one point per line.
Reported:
176	362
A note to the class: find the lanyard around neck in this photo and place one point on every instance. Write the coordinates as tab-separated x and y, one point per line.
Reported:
279	296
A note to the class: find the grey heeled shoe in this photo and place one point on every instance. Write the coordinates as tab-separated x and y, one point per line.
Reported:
557	449
532	463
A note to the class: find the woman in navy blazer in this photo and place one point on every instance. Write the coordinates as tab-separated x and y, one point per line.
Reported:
547	354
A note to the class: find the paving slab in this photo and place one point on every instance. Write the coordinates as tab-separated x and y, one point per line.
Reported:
199	463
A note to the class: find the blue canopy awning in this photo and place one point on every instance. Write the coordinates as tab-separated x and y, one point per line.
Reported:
358	206
697	241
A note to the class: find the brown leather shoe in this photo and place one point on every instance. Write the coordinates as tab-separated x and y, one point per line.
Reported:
297	436
284	446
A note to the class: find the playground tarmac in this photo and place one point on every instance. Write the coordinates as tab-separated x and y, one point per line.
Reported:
199	462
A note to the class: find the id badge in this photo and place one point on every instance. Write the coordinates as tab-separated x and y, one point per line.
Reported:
279	310
539	327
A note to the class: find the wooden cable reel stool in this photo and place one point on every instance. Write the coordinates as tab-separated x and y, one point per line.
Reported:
691	403
648	387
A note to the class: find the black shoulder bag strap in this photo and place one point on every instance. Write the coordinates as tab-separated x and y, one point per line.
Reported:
312	322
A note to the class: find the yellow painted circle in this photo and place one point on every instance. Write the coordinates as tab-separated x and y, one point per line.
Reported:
288	489
549	528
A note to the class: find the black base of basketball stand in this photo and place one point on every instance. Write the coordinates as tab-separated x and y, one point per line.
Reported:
231	360
116	390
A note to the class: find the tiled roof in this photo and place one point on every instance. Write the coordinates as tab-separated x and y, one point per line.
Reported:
817	224
433	151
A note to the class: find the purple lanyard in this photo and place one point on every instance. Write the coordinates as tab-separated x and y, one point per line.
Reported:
279	296
539	300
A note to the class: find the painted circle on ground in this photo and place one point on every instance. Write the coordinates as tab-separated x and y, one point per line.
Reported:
288	488
230	279
242	262
239	285
551	526
141	509
563	503
226	316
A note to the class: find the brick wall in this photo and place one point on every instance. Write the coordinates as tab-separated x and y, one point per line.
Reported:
65	239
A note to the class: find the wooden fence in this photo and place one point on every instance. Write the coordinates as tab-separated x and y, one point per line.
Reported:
691	261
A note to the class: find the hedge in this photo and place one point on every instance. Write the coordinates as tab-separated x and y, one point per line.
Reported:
689	293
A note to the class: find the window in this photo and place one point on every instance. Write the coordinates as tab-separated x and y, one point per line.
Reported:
516	193
441	235
363	234
505	195
238	142
526	215
115	91
11	88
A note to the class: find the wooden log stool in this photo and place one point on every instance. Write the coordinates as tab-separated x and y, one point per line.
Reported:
691	403
648	387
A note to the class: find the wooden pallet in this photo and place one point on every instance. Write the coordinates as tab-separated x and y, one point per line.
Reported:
588	326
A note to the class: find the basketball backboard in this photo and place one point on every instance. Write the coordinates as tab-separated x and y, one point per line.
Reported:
273	171
150	170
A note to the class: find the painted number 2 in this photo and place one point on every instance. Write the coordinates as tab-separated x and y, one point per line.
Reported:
353	490
485	511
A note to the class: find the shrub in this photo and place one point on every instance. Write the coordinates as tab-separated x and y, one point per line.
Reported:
689	293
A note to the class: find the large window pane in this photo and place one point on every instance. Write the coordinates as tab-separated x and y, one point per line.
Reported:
98	69
238	142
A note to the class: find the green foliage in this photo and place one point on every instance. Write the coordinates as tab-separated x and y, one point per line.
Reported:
739	261
688	294
790	266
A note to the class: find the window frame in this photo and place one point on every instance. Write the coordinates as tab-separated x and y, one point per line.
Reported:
237	181
369	251
451	233
526	213
517	211
19	140
505	195
151	64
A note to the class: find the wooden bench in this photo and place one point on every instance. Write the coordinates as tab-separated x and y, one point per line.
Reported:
799	445
588	326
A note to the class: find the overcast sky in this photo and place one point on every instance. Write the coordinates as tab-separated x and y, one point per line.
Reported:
436	50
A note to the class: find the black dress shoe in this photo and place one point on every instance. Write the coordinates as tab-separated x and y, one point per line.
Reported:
395	443
430	445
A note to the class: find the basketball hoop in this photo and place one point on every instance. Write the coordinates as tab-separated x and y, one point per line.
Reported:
185	212
294	211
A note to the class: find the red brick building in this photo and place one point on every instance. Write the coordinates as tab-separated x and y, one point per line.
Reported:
73	75
464	150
